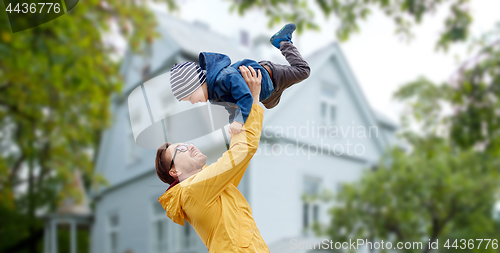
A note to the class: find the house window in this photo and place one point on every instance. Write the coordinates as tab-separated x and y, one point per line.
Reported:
328	104
315	213
328	113
113	240
310	214
310	206
189	236
185	238
147	58
132	155
170	237
323	110
160	229
305	215
333	114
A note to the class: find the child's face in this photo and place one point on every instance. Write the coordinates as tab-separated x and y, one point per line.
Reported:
199	95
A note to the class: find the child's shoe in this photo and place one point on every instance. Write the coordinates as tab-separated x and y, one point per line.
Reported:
285	34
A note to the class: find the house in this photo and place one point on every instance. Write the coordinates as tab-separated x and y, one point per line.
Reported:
322	133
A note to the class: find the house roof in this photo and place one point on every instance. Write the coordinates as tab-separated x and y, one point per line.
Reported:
192	38
319	58
386	121
72	205
185	38
197	37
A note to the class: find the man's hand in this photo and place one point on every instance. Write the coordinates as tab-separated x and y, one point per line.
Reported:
253	81
235	128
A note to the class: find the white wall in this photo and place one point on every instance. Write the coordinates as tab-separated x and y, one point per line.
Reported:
277	186
133	203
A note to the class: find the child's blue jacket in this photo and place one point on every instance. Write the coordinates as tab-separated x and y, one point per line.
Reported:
226	86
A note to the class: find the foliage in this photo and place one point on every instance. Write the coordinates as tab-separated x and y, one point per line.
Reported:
472	94
57	80
56	84
64	239
404	13
446	184
434	192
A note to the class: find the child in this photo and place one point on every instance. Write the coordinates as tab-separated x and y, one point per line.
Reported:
219	81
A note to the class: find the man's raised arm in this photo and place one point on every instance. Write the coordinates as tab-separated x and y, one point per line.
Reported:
253	83
229	169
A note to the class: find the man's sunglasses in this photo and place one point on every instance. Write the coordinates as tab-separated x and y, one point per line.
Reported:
182	148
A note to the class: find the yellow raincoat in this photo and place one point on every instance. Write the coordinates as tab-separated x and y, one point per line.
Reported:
210	201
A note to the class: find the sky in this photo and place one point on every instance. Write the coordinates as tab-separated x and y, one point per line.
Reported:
380	60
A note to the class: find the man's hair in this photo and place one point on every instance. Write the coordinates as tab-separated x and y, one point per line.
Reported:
162	163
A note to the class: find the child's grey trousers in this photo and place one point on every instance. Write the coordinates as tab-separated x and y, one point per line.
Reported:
284	76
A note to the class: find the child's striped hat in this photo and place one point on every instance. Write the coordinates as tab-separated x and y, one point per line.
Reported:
185	78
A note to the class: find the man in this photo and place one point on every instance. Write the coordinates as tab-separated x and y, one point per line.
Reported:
206	196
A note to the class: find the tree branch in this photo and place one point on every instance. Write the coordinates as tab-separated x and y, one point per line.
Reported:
438	225
15	168
44	156
16	110
3	87
392	226
472	61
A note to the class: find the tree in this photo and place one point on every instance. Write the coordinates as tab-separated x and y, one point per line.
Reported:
56	84
433	192
473	94
445	186
57	79
405	14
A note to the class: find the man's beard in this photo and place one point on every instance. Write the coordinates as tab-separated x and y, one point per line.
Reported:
198	164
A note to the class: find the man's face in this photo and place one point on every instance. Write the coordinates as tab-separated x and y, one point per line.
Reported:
188	161
197	96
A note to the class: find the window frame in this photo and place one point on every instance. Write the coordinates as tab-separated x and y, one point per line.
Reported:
132	155
311	210
326	119
177	240
112	229
155	218
328	97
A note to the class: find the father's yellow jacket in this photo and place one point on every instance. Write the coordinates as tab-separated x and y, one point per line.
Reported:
210	201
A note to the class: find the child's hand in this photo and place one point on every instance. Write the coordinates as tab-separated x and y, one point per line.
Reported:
235	128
